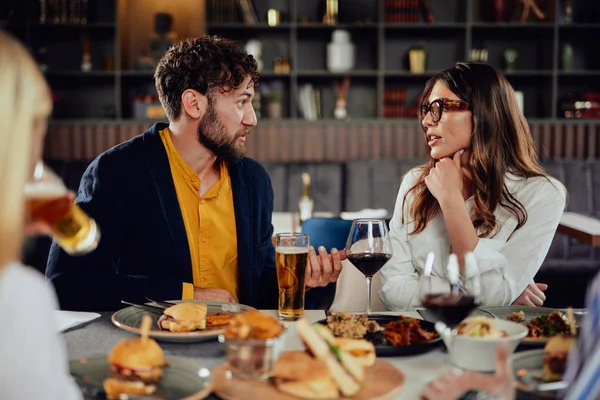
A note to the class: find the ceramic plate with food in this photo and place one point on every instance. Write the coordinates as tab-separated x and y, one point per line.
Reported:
539	373
391	335
543	323
180	325
181	379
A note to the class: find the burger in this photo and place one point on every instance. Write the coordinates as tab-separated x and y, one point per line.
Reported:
555	356
184	317
135	368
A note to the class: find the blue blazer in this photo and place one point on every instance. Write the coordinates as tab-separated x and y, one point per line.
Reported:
143	250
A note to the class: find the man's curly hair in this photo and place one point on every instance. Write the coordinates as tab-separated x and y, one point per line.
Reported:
204	64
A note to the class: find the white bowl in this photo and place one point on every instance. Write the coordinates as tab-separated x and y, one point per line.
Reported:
479	353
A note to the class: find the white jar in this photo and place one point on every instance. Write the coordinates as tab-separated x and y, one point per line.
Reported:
340	52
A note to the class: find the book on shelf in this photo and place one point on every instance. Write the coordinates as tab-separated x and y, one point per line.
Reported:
221	11
402	11
309	102
395	105
57	12
248	12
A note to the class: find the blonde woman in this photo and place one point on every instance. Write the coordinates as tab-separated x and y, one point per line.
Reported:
33	360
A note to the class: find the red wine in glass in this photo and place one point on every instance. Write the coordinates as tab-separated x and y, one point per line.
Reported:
449	308
369	263
368	248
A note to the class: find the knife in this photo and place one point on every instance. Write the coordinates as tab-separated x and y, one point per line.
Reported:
552	386
154	309
225	307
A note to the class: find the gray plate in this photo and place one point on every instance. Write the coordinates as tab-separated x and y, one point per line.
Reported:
130	319
527	368
181	379
531	312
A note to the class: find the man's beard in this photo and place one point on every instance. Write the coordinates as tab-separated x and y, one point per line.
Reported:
213	135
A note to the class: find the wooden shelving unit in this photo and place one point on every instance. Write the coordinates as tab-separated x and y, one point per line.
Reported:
107	92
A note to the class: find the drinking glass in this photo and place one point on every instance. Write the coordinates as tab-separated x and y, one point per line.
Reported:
291	261
47	200
451	298
368	248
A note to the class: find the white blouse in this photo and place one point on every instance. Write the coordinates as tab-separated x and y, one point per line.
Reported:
33	357
507	263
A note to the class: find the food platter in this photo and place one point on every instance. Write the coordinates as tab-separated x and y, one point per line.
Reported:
527	369
130	320
529	313
389	350
182	379
382	381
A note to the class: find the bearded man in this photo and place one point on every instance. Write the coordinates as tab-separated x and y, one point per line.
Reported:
183	214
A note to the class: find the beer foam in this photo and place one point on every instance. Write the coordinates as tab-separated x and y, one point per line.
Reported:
43	190
291	250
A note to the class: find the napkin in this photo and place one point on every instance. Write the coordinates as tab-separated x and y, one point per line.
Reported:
366	213
68	319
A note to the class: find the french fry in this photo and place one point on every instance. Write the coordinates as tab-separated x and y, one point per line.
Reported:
253	325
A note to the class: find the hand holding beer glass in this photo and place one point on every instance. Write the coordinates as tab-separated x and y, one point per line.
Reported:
291	260
48	200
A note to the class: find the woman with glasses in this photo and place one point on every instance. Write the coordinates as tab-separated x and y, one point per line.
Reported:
481	190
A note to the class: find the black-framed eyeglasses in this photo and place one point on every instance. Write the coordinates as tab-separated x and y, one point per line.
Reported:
437	107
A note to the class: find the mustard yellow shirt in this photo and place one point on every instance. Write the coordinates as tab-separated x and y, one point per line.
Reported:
209	223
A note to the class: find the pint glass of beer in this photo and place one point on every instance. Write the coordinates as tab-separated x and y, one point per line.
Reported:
291	259
47	200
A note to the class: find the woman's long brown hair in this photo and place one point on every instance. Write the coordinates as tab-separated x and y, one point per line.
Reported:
501	142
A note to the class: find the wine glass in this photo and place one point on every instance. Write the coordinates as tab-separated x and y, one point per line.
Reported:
451	298
368	248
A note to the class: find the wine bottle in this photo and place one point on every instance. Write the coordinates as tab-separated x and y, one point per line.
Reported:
306	203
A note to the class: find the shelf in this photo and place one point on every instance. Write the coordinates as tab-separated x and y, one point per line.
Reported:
513	25
582	73
579	26
80	74
424	25
240	26
140	74
98	25
271	74
408	74
323	73
528	73
328	121
316	25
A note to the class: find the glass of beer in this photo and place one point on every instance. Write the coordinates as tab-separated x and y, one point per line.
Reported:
291	260
48	201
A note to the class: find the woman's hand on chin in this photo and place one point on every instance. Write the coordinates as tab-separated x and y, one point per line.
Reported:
445	180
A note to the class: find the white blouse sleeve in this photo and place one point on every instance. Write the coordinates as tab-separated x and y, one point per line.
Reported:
34	359
508	266
399	277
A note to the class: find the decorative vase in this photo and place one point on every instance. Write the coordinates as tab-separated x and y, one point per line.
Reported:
417	60
274	110
340	52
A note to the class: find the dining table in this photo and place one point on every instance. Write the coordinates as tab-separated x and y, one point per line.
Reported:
97	338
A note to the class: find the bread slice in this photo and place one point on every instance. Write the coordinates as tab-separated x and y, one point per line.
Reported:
323	388
116	388
362	350
322	350
186	317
